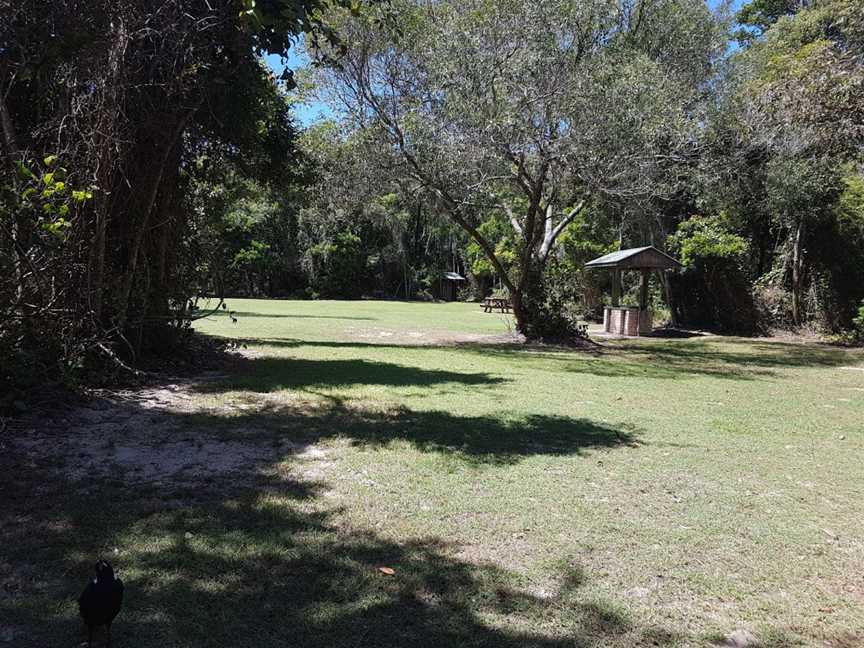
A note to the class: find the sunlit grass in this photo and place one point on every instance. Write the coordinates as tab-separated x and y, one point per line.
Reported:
651	492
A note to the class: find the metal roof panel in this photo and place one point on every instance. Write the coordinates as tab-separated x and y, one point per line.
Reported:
630	258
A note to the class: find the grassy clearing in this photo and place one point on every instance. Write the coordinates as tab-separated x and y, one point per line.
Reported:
657	492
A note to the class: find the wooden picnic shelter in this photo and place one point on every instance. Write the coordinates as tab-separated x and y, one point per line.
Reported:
450	284
631	320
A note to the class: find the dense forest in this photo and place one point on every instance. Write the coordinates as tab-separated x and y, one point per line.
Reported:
151	158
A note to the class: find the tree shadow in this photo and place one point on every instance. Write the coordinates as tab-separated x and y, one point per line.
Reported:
674	333
254	563
250	314
677	359
267	374
755	358
477	440
726	358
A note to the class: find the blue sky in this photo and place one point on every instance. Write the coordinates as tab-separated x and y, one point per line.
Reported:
306	113
311	111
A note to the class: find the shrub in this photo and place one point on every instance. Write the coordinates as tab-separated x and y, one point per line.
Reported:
338	268
713	290
858	321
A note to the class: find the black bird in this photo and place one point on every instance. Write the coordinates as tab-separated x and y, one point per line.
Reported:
101	600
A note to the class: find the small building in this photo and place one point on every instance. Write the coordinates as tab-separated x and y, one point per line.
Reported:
631	320
450	284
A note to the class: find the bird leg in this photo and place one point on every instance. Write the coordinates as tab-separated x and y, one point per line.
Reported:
109	635
89	636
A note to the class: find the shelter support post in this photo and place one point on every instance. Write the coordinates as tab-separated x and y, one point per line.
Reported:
616	287
643	290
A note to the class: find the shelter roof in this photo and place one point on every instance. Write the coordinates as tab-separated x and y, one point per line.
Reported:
641	258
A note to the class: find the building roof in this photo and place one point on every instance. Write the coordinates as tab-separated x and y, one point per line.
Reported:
454	276
641	258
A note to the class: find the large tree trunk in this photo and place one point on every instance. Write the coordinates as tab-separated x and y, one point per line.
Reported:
10	150
137	239
797	279
519	313
539	313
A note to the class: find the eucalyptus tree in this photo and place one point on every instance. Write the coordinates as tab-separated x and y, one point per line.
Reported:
797	105
804	82
527	108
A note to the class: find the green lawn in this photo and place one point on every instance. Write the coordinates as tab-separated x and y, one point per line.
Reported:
651	493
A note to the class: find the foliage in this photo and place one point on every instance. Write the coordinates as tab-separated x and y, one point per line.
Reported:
759	15
713	290
540	107
124	103
497	231
699	241
805	81
405	247
590	235
783	138
148	157
858	321
338	268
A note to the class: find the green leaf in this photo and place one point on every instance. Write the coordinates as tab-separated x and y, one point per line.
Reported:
23	172
50	160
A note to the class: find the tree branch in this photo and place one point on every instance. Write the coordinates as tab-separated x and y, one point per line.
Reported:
512	216
552	233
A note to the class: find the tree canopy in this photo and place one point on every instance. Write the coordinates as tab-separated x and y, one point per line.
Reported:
530	109
151	157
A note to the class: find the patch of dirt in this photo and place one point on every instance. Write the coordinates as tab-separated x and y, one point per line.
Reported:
141	436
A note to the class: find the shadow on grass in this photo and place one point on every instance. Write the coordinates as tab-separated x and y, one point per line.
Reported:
491	439
261	557
722	358
241	314
674	334
476	440
269	374
251	565
727	358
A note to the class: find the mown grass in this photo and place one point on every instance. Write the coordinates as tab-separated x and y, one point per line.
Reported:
650	492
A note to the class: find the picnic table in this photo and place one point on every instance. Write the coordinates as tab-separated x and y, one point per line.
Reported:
496	303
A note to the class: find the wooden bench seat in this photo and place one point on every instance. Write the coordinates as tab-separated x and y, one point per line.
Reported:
496	303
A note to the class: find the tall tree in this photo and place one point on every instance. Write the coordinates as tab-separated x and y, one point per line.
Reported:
527	108
102	105
800	97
